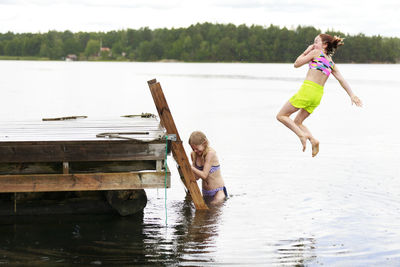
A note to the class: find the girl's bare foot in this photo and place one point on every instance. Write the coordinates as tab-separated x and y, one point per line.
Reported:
303	141
315	147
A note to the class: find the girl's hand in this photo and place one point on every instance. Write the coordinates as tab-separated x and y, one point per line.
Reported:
309	49
355	100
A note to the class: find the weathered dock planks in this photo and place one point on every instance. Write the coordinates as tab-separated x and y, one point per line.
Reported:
76	151
79	130
82	155
81	182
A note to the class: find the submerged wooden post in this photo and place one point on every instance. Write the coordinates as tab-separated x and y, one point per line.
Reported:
178	151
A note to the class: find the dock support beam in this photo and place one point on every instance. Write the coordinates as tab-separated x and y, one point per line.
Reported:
83	181
178	150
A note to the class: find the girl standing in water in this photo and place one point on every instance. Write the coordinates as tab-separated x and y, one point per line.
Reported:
319	59
205	166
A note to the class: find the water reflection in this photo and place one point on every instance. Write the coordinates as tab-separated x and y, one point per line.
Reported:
94	239
196	233
297	252
111	239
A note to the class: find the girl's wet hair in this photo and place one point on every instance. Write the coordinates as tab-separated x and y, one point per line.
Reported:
198	138
333	42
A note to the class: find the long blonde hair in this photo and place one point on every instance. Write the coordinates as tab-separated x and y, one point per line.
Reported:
198	138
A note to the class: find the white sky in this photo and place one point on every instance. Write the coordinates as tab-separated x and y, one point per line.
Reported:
378	17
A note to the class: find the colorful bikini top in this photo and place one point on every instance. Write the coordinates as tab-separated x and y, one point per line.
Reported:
322	64
213	168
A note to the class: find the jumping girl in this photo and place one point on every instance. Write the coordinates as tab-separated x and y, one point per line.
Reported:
205	166
319	59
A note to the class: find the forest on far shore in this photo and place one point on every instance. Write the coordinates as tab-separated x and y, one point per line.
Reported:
205	42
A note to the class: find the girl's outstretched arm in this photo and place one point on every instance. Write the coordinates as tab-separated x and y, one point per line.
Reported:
354	99
306	56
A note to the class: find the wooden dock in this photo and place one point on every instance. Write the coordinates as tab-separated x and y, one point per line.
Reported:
77	153
82	154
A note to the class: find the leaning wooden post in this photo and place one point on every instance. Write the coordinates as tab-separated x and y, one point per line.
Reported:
178	151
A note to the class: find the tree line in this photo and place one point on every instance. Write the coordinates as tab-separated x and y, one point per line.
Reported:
204	42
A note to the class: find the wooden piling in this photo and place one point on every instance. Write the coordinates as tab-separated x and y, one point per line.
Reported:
178	150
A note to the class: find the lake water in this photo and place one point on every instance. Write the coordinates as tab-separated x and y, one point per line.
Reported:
285	208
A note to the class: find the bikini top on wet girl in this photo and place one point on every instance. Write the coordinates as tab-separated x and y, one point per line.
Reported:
213	168
322	64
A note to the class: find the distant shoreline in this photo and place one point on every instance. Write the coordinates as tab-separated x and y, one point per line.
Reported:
25	58
202	42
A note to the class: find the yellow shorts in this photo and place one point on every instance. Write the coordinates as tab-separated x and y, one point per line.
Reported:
308	97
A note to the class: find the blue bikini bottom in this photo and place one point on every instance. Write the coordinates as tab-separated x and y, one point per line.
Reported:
211	193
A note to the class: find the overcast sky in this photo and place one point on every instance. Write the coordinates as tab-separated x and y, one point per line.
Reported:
378	17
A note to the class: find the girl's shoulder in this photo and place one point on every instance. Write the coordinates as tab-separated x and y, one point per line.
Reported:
211	157
212	150
328	57
211	153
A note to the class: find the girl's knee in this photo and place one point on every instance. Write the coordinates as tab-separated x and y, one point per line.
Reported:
280	117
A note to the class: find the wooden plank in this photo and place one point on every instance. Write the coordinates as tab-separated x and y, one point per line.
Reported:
178	150
76	167
147	128
159	165
83	182
80	151
30	168
112	166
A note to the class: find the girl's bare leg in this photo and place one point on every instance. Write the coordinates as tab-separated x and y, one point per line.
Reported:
284	117
301	116
218	198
